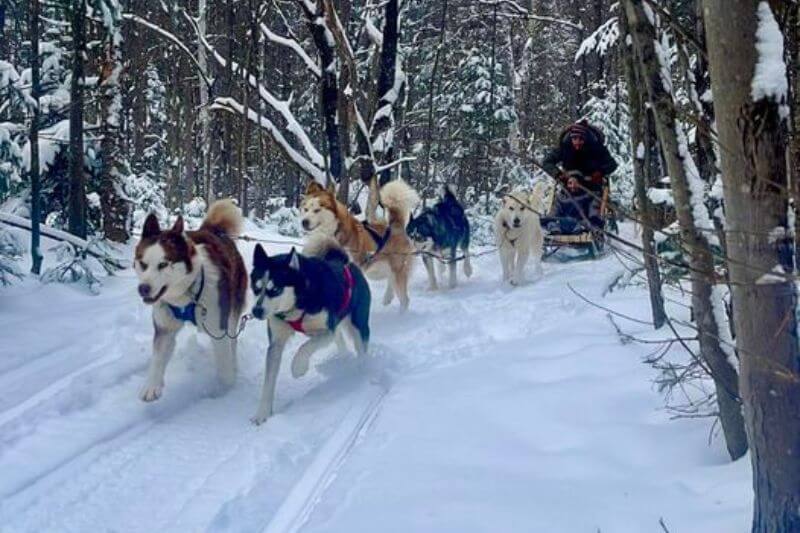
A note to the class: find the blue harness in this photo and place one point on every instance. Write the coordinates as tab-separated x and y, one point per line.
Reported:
187	312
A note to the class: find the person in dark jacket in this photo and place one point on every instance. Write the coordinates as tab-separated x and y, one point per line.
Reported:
581	162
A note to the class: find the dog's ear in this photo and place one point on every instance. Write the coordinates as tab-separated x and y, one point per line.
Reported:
294	259
178	226
502	190
151	227
260	257
314	187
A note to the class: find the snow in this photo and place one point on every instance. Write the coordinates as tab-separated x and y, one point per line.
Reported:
51	141
719	295
640	151
769	79
776	275
483	408
602	40
660	196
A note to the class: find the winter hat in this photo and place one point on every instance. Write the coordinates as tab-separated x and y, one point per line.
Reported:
578	130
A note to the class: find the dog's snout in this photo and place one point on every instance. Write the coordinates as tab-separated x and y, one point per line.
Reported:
258	312
144	290
306	224
516	222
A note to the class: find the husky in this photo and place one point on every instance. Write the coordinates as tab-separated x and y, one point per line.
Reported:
518	233
321	297
440	231
381	248
192	276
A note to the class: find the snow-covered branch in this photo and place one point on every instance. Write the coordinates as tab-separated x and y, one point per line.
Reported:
280	106
294	46
172	38
231	105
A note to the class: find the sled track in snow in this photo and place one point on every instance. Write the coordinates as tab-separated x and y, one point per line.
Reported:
304	496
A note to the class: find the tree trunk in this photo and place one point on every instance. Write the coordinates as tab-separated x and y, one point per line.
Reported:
36	255
638	110
3	41
77	173
112	203
752	132
329	89
383	123
690	211
205	145
434	89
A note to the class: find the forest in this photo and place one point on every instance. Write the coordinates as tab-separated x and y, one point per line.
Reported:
111	110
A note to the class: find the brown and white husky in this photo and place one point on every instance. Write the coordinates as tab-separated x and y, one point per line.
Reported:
197	277
382	248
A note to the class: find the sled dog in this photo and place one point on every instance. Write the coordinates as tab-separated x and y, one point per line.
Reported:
518	232
381	248
192	276
321	297
440	231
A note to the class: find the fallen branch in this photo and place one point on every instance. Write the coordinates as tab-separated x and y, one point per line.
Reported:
61	236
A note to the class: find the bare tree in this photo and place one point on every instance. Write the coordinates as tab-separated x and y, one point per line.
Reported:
77	174
36	255
112	203
638	117
695	224
751	112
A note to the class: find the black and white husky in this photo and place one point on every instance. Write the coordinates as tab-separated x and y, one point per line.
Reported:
320	296
440	231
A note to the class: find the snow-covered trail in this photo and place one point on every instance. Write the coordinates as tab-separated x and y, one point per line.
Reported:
483	409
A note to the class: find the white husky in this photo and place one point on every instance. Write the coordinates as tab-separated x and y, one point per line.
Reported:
519	233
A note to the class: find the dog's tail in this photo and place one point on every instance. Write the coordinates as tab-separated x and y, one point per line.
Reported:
540	197
326	248
449	192
224	217
398	199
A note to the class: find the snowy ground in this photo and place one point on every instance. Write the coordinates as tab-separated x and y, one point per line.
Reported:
483	409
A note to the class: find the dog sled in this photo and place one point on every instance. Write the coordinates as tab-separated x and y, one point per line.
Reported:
576	227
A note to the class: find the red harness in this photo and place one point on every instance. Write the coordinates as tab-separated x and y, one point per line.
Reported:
297	324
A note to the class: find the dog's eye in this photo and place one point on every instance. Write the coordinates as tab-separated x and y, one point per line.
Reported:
143	265
162	265
317	210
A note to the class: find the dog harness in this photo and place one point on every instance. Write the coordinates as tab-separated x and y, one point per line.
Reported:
187	312
349	283
380	241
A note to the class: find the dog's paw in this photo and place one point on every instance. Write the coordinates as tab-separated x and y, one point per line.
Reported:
300	365
468	270
151	393
259	418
